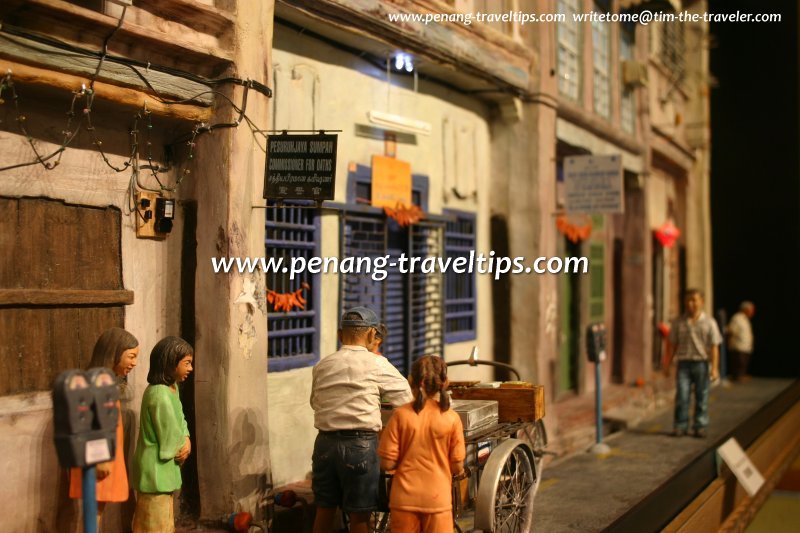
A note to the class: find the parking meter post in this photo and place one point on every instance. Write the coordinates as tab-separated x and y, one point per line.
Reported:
596	350
89	483
598	403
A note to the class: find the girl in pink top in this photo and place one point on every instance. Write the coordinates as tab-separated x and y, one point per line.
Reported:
424	443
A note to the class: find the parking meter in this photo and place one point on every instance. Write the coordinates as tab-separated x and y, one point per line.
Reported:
596	351
85	416
106	394
596	342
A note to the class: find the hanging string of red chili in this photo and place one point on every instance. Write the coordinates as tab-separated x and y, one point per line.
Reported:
404	215
288	301
574	232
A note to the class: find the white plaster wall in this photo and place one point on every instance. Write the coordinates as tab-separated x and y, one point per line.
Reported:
344	88
151	269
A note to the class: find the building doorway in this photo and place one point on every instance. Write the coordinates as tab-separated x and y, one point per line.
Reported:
569	339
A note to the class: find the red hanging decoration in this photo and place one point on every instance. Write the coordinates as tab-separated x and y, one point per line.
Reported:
404	215
288	301
667	234
574	232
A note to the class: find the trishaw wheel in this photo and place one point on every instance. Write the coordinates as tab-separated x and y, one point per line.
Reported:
540	433
539	443
506	490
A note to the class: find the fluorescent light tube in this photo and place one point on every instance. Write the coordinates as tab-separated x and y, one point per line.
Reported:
399	123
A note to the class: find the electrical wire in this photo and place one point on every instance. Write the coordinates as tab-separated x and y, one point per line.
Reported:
133	160
19	32
104	53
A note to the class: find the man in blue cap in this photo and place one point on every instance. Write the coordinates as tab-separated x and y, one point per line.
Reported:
346	392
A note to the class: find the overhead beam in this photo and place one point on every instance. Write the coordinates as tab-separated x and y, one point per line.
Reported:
473	51
34	53
119	95
78	24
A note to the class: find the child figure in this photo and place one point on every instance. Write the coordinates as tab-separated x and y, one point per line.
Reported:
424	443
118	350
694	341
163	443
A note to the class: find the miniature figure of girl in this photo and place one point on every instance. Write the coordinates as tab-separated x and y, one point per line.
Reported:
424	443
118	350
163	443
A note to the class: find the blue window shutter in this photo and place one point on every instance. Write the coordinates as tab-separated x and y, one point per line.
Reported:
460	292
292	337
410	305
425	292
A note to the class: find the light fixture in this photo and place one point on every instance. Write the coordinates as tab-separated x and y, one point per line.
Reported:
399	122
403	62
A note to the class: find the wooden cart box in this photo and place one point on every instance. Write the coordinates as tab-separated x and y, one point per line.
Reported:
515	404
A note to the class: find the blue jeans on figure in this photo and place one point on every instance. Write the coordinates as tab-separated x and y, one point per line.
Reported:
692	373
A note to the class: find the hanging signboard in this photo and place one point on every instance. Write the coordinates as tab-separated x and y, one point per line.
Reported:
300	167
391	182
593	184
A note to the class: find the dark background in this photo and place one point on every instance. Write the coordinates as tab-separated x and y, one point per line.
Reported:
755	189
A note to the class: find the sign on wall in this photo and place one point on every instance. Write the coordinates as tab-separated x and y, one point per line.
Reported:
391	182
593	184
300	167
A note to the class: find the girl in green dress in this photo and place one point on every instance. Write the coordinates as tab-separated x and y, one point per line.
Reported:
163	443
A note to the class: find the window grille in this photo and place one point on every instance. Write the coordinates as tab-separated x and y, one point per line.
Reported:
628	100
409	304
673	49
569	45
292	337
601	47
460	300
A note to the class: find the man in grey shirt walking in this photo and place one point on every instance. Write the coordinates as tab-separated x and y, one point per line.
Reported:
346	391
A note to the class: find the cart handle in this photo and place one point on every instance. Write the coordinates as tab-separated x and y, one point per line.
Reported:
475	362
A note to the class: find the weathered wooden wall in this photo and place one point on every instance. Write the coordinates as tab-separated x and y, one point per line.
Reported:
60	288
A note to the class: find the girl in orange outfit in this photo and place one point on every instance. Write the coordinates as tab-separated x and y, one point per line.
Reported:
424	443
118	350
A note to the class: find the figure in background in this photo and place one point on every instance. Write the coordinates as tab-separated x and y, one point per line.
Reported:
380	335
740	341
346	391
163	443
424	444
118	350
694	341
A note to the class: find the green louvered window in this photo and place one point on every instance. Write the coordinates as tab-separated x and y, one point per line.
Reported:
597	287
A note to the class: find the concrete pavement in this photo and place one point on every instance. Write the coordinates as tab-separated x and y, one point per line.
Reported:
588	493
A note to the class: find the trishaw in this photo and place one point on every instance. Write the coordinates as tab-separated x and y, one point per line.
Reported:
503	467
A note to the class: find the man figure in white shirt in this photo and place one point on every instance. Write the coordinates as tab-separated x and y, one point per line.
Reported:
346	392
740	340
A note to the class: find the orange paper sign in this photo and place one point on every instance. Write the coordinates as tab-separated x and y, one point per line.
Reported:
391	182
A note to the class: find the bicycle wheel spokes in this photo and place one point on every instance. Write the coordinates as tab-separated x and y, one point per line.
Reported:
512	500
